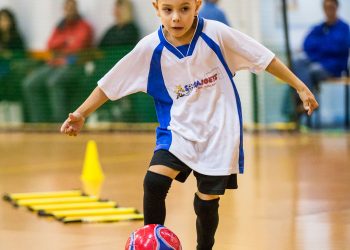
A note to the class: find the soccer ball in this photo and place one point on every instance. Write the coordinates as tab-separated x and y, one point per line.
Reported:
153	237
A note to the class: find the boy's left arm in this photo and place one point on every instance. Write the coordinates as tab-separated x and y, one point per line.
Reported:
281	71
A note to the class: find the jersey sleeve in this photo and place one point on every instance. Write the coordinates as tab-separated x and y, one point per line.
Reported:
243	52
129	75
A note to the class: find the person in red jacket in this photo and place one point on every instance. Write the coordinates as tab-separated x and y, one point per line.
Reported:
47	89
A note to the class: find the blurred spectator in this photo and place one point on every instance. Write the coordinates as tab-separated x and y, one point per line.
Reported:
10	39
326	48
124	31
210	10
326	51
116	42
11	48
48	89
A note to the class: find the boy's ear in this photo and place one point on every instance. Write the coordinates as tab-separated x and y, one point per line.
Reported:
156	7
198	6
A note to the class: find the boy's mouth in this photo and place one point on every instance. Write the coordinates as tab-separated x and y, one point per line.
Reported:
177	28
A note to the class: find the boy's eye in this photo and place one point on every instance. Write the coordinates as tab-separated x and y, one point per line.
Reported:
184	9
167	9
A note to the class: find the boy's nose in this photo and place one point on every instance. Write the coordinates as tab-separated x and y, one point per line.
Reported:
176	18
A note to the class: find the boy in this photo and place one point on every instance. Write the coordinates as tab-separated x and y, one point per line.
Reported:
187	66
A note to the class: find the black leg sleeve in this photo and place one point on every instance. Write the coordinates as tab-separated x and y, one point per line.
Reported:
207	222
156	187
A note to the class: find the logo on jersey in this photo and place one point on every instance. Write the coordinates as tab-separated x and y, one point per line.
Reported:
209	80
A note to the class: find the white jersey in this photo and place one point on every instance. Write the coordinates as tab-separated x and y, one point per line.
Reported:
197	103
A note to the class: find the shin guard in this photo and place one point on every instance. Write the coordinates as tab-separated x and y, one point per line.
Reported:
207	222
156	187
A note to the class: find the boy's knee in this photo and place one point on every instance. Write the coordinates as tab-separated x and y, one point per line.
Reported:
156	184
164	170
206	207
207	197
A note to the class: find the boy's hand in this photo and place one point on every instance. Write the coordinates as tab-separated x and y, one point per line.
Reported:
73	124
308	99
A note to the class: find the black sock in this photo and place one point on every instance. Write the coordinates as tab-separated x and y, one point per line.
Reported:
207	222
156	187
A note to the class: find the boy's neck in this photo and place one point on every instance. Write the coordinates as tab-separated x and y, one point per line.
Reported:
185	39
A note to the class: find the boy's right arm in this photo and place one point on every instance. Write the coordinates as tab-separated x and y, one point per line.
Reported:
75	121
281	71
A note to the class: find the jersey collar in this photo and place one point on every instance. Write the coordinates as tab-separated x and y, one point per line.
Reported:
173	49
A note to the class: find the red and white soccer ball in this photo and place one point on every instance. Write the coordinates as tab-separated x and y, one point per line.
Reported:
153	237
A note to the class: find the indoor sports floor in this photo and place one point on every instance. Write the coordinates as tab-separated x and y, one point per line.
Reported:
295	194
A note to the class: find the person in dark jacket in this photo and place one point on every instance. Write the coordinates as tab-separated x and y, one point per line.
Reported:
10	38
11	48
118	40
124	31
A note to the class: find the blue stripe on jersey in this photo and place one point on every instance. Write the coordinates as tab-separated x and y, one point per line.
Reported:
217	50
163	102
170	47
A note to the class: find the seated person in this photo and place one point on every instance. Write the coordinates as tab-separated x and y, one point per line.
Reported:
326	52
120	38
116	42
11	48
124	31
47	90
326	49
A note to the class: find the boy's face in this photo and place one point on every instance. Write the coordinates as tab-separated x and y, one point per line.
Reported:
177	16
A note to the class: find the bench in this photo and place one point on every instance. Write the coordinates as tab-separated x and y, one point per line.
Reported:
346	82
